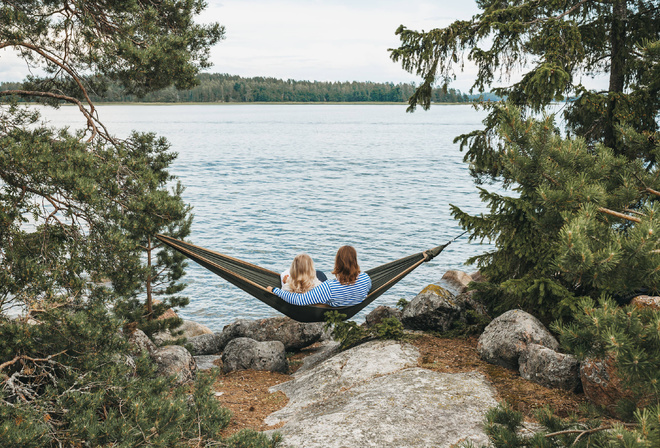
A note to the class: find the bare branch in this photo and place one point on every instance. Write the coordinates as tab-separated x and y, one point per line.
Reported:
618	215
24	357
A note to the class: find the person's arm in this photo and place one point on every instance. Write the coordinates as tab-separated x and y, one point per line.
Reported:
319	294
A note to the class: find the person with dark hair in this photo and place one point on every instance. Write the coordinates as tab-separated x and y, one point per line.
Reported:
350	287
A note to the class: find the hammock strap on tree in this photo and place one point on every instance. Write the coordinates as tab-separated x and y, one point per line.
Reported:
254	279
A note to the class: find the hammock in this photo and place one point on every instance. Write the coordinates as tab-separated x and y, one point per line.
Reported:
254	279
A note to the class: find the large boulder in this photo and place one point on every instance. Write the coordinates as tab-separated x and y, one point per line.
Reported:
507	337
248	354
373	395
294	335
433	309
380	313
207	362
549	368
188	329
646	302
174	360
207	344
140	342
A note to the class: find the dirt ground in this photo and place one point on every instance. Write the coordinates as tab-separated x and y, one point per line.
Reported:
246	394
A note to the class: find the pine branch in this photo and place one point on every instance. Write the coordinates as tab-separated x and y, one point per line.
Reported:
18	358
652	191
584	432
618	215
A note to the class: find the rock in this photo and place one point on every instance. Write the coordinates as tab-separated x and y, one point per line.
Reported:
477	276
177	361
458	279
548	368
294	335
325	351
470	303
646	302
188	328
601	384
433	309
344	371
140	343
373	395
208	344
507	337
380	313
246	353
206	362
191	329
168	314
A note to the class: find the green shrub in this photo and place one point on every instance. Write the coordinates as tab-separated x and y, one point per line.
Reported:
401	304
248	438
350	334
629	335
504	425
389	328
68	381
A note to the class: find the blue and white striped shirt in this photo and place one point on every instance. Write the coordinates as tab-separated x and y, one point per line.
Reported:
330	292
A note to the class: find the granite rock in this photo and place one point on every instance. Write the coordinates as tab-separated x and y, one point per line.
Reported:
248	354
507	337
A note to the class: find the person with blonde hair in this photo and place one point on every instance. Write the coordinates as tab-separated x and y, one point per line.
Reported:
301	276
350	286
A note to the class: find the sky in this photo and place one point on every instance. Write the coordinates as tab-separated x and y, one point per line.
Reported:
314	40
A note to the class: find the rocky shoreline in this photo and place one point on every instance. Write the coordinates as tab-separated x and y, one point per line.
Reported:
391	393
381	393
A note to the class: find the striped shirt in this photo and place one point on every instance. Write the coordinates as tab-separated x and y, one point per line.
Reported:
330	292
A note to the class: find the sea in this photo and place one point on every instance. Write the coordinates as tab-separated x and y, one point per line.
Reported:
269	181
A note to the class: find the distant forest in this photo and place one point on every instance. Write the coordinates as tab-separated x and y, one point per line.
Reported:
223	88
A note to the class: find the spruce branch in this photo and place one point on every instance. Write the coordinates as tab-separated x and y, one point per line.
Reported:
557	17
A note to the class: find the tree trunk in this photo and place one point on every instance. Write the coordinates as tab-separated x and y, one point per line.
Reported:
150	310
617	68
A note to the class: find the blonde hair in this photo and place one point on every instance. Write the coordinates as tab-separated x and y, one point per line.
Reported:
302	274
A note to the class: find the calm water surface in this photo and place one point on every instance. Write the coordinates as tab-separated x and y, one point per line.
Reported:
270	181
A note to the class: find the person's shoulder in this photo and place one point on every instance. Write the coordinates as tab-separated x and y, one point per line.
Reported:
363	279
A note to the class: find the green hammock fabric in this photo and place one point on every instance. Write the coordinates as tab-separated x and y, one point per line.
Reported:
254	279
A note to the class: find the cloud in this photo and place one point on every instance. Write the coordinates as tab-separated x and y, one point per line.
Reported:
323	41
340	40
12	67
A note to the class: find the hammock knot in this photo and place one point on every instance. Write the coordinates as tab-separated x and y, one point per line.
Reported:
432	253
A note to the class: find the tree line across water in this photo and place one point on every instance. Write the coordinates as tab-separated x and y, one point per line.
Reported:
224	88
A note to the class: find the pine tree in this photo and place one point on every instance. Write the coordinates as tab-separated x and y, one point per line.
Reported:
573	225
70	381
81	208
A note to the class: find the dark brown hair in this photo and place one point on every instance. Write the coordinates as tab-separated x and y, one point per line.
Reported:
346	265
